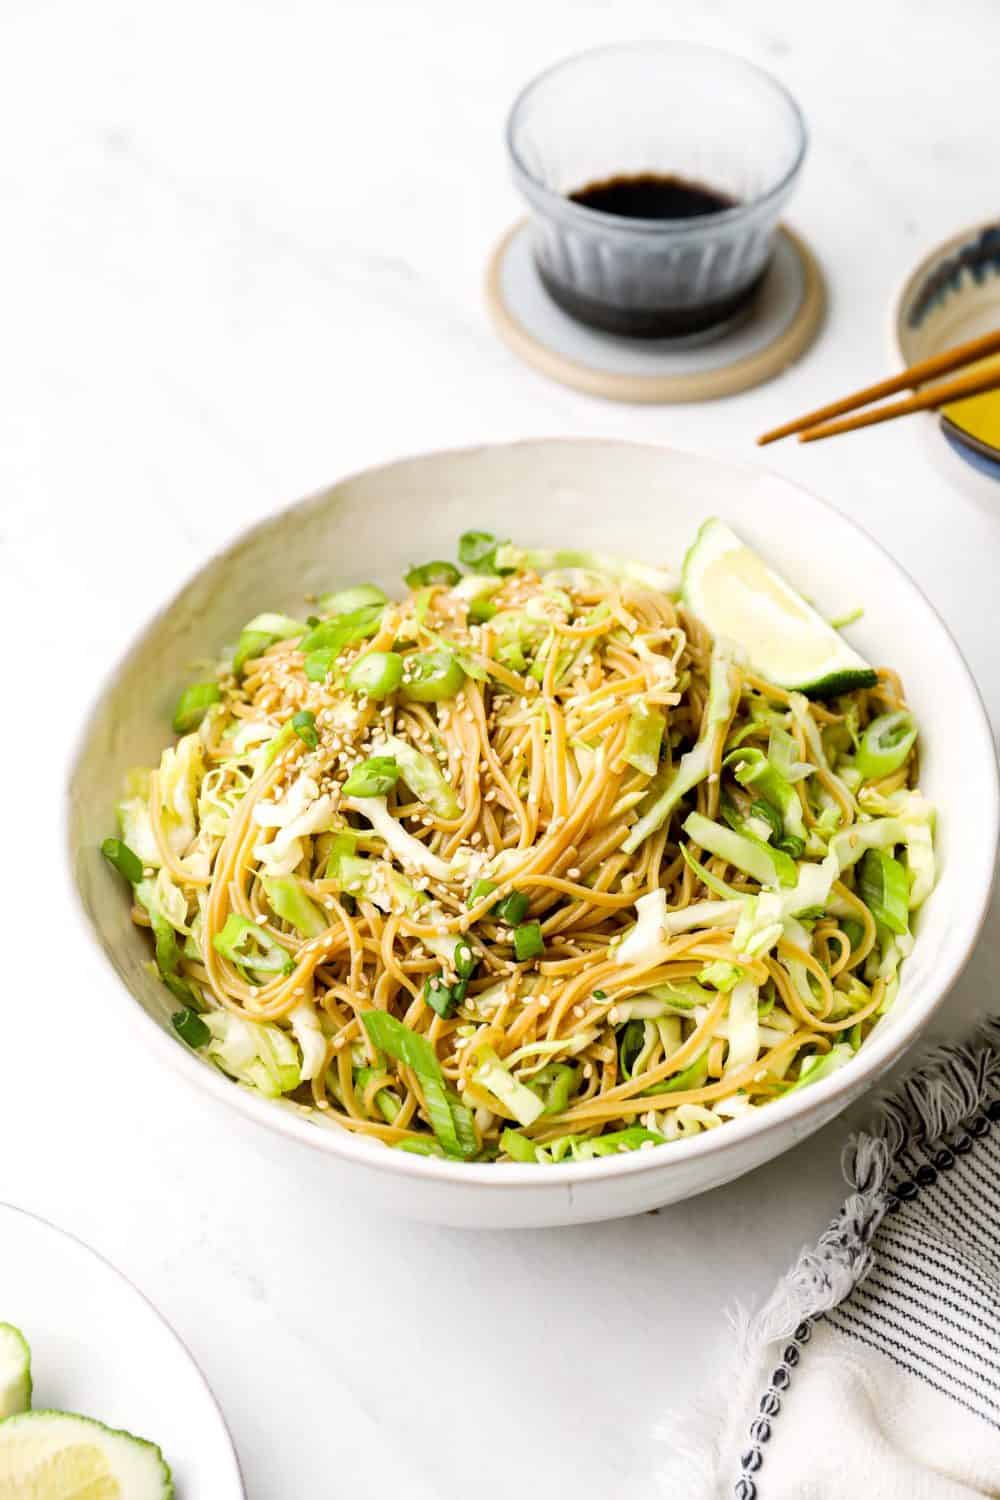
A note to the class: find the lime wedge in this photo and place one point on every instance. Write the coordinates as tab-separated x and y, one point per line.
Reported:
740	599
15	1371
49	1455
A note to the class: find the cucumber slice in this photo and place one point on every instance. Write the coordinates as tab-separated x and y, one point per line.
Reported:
15	1371
50	1455
741	599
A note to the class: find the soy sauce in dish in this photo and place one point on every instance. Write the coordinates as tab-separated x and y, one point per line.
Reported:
643	299
650	195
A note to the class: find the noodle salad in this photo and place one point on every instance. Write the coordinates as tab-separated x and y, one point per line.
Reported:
537	862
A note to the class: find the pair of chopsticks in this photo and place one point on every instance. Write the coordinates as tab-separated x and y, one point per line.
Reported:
818	424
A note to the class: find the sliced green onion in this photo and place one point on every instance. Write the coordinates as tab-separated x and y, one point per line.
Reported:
431	573
372	778
348	601
190	1027
318	664
885	889
480	890
885	745
643	738
554	1083
477	550
618	1140
251	644
419	1147
480	611
513	908
691	1077
344	630
193	704
464	959
261	632
441	996
248	946
517	1146
528	941
450	1120
289	901
631	1040
406	1046
792	845
376	674
431	676
304	725
124	860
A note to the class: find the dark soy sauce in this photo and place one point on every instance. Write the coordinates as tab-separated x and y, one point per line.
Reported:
650	196
669	305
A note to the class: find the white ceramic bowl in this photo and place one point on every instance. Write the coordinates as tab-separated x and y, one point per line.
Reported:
639	500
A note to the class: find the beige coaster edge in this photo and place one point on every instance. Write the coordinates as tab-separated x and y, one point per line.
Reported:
703	385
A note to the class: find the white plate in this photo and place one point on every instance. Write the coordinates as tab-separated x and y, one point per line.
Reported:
99	1348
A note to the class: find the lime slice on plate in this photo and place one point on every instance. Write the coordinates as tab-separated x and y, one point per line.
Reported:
49	1455
15	1371
741	599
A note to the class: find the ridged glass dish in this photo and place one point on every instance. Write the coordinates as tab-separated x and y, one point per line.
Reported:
669	109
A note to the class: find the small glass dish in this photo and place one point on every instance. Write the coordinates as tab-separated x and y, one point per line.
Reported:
666	110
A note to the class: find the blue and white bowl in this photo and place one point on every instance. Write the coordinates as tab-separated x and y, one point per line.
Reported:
952	295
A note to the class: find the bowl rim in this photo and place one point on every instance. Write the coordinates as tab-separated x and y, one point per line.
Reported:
293	1121
562	207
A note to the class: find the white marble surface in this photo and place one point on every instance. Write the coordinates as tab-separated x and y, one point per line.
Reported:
241	253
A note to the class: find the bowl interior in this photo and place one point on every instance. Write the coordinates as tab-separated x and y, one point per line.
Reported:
630	499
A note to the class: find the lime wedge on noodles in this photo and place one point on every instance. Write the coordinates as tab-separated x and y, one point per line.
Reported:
15	1371
48	1455
741	599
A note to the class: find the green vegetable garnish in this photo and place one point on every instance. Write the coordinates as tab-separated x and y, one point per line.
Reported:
431	677
248	946
643	738
480	890
191	1028
478	551
885	745
432	573
465	960
513	908
528	941
377	674
372	778
349	601
304	725
884	888
193	704
123	859
450	1120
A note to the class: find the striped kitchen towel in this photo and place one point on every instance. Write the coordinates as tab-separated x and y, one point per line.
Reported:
874	1369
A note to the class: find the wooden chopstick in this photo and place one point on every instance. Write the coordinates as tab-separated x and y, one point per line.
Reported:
940	364
926	400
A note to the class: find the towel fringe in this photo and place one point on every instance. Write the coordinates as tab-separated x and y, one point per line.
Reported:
951	1083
